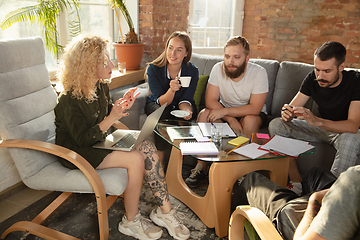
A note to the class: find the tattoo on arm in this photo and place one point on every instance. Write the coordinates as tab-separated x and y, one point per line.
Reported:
314	207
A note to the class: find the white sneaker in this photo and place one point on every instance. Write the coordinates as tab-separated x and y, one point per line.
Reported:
140	228
171	221
295	187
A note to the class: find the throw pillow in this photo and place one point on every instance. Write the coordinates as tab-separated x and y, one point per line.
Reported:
200	89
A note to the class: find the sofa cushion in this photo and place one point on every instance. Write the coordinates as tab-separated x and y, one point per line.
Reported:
200	89
205	62
288	81
271	67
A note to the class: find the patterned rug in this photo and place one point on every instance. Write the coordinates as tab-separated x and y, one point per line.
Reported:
77	217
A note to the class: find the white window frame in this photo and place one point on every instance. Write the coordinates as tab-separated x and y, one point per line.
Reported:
114	34
237	26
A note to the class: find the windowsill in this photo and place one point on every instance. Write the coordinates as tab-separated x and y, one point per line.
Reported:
117	79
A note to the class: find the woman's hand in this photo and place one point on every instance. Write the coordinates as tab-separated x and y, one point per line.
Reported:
186	107
119	108
175	84
130	97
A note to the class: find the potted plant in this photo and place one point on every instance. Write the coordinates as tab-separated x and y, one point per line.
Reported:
128	50
46	13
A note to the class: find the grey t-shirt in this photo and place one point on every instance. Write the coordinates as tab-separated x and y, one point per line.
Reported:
339	214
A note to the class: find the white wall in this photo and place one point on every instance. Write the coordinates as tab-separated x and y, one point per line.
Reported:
9	175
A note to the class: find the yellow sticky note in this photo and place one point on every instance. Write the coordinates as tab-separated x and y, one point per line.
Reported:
238	140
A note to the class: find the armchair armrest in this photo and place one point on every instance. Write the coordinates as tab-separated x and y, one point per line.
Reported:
257	218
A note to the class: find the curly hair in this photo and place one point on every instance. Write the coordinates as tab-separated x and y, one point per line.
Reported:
77	70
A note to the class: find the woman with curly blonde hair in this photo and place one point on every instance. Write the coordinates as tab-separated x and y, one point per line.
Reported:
84	114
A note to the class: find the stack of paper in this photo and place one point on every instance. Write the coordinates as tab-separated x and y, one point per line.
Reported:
287	146
198	148
251	151
238	140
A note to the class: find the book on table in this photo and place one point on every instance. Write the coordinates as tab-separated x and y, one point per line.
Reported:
287	146
184	132
198	148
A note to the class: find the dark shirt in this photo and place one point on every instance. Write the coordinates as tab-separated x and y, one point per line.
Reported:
159	83
77	124
333	103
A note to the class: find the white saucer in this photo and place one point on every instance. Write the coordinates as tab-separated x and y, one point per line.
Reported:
180	113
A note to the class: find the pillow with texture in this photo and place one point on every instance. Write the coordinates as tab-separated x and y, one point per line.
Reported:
200	89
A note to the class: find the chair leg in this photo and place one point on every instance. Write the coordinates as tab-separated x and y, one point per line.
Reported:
34	226
46	213
38	230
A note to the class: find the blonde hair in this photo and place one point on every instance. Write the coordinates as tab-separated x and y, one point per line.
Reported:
77	70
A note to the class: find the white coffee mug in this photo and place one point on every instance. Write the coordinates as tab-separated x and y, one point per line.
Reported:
185	81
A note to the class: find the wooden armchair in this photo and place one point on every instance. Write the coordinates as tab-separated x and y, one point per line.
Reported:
27	128
262	225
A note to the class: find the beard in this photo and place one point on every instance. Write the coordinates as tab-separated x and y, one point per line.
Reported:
237	72
329	82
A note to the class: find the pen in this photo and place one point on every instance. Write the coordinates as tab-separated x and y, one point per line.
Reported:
213	125
283	109
251	138
234	149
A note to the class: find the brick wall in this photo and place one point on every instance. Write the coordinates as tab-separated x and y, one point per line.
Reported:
292	29
158	19
276	29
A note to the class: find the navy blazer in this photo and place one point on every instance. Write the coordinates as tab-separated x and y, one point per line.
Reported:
159	83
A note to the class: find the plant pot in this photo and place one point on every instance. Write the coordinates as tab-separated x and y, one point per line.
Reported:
130	53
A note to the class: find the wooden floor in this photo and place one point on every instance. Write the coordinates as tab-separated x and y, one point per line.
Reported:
18	201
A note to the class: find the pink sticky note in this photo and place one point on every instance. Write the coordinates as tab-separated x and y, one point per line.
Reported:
262	135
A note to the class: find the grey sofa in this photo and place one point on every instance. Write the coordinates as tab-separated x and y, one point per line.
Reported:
284	82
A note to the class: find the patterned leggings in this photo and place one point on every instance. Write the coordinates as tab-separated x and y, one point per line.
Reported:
347	145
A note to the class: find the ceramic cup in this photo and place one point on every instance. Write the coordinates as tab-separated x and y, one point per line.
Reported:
185	81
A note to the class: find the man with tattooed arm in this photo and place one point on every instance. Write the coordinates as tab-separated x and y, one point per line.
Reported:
326	209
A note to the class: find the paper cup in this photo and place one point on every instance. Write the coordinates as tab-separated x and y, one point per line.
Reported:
185	81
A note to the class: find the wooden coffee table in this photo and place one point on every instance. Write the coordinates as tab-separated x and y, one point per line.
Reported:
214	208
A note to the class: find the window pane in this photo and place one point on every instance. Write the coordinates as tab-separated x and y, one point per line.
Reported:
95	19
24	29
211	24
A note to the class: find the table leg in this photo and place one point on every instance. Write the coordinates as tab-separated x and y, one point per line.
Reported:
222	177
201	206
214	208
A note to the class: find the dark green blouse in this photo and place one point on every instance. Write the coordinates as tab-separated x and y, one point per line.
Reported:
77	125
